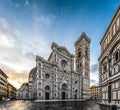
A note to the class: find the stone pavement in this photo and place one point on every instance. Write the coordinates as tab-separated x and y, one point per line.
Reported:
63	105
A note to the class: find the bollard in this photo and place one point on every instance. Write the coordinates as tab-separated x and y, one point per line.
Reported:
114	107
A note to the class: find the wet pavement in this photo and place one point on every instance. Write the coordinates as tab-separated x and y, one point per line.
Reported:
63	105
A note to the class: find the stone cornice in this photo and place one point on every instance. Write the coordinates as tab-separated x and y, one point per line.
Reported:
110	23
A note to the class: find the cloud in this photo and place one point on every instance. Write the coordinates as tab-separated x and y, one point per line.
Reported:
18	3
11	46
44	20
94	68
15	78
94	74
27	3
93	82
17	54
8	35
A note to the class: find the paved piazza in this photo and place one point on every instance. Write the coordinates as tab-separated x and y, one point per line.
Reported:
63	105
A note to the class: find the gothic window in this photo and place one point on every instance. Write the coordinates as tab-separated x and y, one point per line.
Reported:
108	37
47	76
86	53
116	56
105	67
78	65
86	64
39	64
39	83
76	91
39	75
47	88
64	87
118	23
86	74
75	82
113	29
63	63
79	54
39	93
39	71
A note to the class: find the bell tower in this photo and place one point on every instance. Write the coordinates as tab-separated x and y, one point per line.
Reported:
82	61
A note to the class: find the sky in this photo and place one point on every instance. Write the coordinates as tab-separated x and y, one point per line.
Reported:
28	28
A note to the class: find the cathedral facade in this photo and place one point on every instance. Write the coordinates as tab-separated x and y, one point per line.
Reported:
56	78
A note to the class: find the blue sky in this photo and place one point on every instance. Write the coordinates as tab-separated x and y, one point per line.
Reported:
28	27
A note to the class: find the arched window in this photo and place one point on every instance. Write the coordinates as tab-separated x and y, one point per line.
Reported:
86	53
86	74
78	65
64	87
39	64
79	54
39	83
63	63
116	56
104	67
76	91
39	93
47	88
47	76
75	82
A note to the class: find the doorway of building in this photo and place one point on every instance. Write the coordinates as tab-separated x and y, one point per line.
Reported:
47	92
75	96
47	95
63	95
64	90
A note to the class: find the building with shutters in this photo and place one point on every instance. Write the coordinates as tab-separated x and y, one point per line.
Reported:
94	92
3	85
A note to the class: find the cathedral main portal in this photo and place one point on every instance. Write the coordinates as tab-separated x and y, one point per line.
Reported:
47	92
64	91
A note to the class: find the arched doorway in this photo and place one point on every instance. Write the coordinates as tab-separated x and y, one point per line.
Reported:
47	92
64	89
75	94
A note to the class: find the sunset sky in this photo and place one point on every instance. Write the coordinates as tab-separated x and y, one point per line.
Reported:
28	27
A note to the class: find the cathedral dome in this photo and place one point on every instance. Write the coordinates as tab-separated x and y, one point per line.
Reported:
32	72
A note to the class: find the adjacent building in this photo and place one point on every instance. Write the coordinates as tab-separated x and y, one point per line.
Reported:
94	92
56	77
3	85
22	92
109	62
11	91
